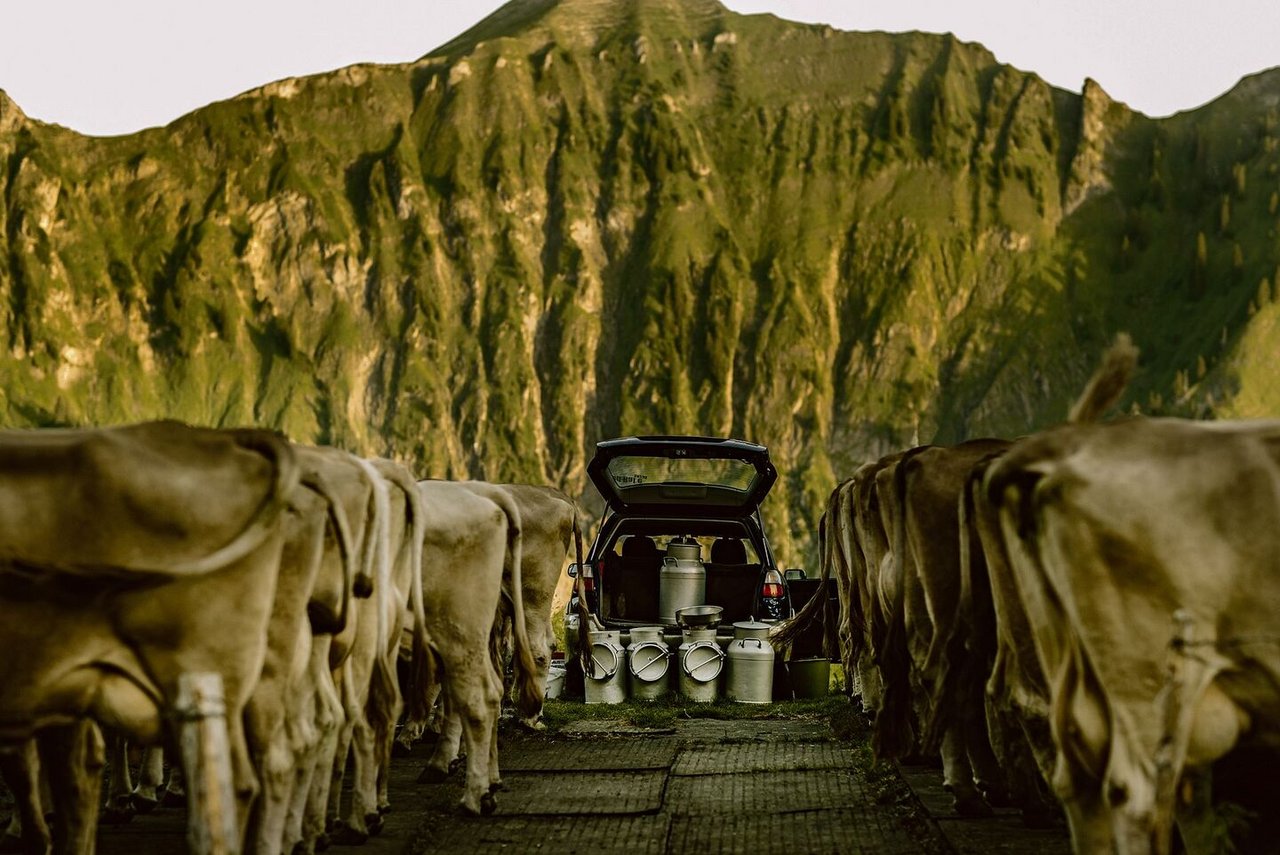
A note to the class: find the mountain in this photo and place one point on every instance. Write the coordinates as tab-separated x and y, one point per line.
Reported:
584	219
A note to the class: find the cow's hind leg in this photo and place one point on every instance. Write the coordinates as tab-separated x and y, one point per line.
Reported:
477	703
991	779
28	832
120	808
146	793
957	776
440	764
363	817
276	763
74	756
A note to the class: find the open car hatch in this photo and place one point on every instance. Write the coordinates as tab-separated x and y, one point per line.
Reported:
685	475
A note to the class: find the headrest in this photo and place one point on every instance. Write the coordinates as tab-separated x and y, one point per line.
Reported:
728	550
639	546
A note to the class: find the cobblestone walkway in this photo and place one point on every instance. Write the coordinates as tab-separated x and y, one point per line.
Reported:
703	786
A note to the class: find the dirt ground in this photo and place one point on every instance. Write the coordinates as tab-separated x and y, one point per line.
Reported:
799	781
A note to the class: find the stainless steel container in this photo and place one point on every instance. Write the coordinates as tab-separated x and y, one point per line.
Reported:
648	661
607	684
750	667
701	661
683	579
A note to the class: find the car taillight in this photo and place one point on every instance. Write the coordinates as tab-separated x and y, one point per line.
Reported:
772	584
588	577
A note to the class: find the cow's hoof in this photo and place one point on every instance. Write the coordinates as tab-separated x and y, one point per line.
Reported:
384	809
973	806
345	835
373	822
488	804
997	797
301	848
432	775
457	764
142	804
119	813
1039	816
322	842
497	786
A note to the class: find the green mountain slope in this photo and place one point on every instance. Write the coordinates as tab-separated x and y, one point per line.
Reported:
585	219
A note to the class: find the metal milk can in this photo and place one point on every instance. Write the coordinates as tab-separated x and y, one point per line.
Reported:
750	678
648	659
683	579
701	661
608	682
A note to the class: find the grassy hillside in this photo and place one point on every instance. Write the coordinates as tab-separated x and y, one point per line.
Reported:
585	219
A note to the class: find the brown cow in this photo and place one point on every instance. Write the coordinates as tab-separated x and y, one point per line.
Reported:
130	556
835	550
928	484
550	525
471	544
996	637
306	602
1146	554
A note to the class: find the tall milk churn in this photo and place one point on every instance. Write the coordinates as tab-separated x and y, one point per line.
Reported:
750	678
701	661
607	684
648	659
683	580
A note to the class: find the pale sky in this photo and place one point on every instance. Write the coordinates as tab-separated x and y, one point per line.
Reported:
108	67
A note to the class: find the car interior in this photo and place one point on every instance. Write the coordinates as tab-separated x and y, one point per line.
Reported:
628	570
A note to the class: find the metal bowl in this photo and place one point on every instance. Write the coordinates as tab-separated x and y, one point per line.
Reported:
699	617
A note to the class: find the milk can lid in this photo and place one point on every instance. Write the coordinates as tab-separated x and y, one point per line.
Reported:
750	629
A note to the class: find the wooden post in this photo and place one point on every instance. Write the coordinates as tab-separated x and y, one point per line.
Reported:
212	826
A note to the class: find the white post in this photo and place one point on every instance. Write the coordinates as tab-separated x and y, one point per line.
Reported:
200	711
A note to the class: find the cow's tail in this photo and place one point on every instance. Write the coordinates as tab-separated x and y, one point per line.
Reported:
397	475
584	612
530	694
422	660
337	515
383	688
785	633
893	734
953	667
1107	383
843	546
422	669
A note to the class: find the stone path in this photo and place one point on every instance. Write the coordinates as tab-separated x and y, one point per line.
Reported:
703	786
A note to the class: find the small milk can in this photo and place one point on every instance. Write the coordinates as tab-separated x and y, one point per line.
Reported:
683	579
648	659
701	661
750	678
608	682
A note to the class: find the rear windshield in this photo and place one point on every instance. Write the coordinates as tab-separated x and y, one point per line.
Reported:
649	479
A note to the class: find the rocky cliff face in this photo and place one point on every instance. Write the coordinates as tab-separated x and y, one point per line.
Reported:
586	219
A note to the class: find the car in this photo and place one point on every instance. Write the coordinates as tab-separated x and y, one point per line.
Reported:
668	496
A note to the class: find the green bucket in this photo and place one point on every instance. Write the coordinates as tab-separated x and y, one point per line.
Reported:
810	678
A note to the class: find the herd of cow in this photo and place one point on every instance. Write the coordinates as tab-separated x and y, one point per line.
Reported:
1091	612
304	577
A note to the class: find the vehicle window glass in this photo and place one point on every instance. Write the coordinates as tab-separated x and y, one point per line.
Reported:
645	473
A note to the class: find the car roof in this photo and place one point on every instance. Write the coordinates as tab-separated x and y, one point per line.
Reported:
695	476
